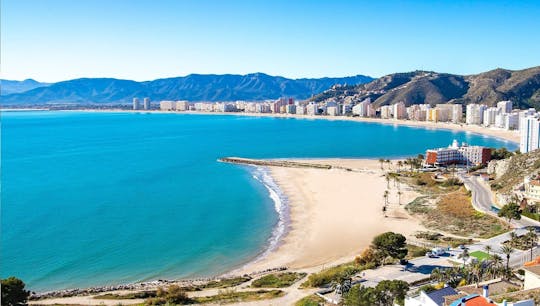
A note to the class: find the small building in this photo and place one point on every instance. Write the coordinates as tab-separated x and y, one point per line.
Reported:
434	298
532	189
532	275
484	300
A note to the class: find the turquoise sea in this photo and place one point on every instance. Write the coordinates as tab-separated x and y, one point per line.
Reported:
107	198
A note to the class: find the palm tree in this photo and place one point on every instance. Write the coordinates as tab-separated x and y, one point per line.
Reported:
399	165
387	177
385	196
399	193
389	162
476	272
465	255
532	238
497	264
507	250
437	274
513	237
488	249
381	161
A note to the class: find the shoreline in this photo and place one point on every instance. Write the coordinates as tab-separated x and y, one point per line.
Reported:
505	135
283	251
323	229
262	261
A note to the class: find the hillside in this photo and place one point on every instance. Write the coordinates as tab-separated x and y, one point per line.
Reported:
194	87
511	172
521	86
9	87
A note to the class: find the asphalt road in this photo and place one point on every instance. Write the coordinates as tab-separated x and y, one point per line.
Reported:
482	199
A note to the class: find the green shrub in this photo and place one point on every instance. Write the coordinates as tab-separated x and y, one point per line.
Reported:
278	280
128	296
233	296
334	274
174	295
310	300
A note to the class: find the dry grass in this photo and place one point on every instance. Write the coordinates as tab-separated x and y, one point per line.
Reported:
454	214
519	296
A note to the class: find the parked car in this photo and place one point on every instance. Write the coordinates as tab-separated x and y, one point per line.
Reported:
438	251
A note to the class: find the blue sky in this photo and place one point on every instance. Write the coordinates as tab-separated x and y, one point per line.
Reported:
54	40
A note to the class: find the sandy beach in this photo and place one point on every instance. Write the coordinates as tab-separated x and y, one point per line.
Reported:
335	213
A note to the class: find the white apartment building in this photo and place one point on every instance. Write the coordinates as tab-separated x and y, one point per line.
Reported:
418	112
182	105
364	109
312	109
457	113
475	114
504	107
386	111
136	104
400	111
511	121
332	110
146	103
489	116
508	121
300	110
529	129
224	107
262	108
290	109
167	105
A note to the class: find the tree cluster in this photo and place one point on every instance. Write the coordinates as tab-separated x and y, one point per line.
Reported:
13	292
510	211
389	244
386	293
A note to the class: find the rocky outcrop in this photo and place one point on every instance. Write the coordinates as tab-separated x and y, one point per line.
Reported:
498	167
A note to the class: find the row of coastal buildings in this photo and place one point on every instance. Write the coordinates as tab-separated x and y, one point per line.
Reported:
501	116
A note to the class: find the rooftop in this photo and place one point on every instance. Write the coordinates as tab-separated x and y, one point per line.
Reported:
473	300
437	296
533	269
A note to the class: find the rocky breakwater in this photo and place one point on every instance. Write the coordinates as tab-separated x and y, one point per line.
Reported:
277	163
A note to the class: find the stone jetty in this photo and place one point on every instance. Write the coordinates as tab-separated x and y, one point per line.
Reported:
274	163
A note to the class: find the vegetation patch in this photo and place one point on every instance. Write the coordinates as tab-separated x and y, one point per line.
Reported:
333	274
480	255
310	300
278	280
420	205
454	214
519	296
127	296
232	296
225	283
416	251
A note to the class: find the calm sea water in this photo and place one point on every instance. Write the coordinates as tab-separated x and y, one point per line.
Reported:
107	198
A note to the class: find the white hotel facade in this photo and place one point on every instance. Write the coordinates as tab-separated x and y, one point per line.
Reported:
529	129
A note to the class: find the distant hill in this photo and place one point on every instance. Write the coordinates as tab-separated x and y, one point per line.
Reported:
9	87
521	86
194	87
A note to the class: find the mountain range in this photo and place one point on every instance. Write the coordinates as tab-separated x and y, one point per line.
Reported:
194	87
418	87
9	87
